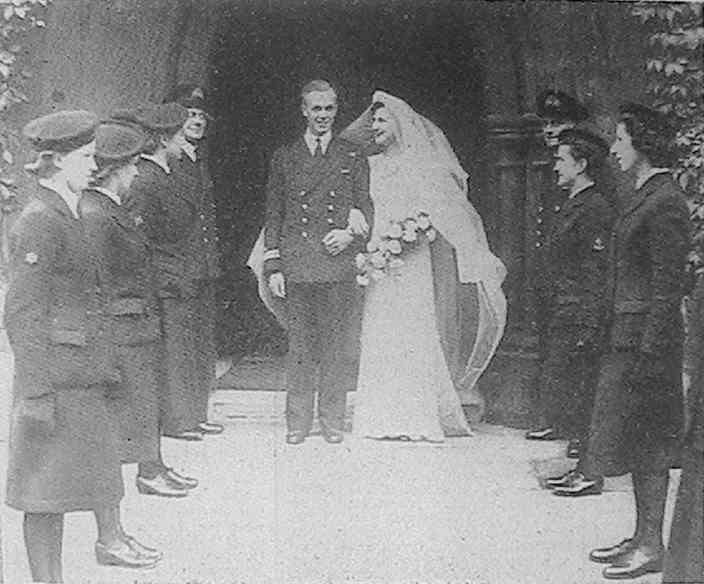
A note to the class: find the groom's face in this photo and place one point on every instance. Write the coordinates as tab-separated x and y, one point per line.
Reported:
319	109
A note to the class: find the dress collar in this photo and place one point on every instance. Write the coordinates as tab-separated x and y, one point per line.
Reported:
114	197
581	189
69	198
311	141
648	175
190	150
159	163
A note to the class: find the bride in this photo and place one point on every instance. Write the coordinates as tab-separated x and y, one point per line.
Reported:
434	317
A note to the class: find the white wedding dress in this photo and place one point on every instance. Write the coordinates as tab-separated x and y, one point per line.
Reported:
404	387
413	360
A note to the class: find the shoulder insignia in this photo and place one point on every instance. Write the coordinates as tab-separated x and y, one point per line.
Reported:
31	258
598	245
138	220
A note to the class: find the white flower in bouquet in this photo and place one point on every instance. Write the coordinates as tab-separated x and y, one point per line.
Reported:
431	234
394	231
372	246
378	275
360	260
362	279
395	246
410	236
423	221
395	263
378	260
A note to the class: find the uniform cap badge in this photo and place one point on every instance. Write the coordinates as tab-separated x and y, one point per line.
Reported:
598	245
138	220
31	258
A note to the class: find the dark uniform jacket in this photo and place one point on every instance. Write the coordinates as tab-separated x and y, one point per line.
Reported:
164	207
577	260
198	188
53	305
648	256
306	198
126	273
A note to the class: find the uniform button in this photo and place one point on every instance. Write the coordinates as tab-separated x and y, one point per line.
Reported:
305	219
304	234
540	209
557	208
330	207
202	216
205	229
538	244
206	240
302	193
540	220
538	232
332	193
330	221
304	206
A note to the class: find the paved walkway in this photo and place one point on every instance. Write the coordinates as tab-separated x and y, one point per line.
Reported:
467	511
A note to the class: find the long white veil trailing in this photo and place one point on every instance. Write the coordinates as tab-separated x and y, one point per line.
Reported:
470	304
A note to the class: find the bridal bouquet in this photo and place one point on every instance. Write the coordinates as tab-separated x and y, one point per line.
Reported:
386	253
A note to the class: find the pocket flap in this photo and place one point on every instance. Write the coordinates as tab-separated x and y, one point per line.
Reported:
68	337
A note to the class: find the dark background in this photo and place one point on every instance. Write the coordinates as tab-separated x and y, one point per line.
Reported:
425	54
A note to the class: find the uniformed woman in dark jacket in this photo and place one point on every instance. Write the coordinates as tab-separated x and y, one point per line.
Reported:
131	310
637	418
63	449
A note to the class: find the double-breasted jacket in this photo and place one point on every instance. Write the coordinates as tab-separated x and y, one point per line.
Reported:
307	197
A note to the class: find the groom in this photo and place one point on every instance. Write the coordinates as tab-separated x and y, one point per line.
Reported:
317	208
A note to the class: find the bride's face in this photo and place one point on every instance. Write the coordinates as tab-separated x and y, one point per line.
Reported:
385	127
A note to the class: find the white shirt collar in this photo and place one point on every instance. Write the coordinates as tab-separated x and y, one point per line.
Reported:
581	189
66	194
644	178
311	141
109	194
159	163
190	150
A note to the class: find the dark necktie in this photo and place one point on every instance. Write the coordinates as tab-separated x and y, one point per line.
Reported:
318	148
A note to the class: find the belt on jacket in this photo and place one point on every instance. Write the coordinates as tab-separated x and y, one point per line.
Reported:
124	306
632	306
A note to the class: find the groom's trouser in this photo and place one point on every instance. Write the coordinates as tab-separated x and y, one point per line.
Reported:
318	323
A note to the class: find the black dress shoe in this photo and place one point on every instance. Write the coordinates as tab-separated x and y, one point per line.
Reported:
633	565
574	448
121	555
609	555
333	436
542	434
211	428
188	435
564	480
160	487
296	437
581	487
180	481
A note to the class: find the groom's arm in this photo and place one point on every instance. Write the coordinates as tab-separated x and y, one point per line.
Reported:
362	199
275	213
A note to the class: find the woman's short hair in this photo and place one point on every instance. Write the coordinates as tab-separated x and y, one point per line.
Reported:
652	133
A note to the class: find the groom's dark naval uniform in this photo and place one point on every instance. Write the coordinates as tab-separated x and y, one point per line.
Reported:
309	194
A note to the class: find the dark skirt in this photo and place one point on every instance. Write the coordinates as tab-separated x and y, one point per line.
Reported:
182	396
684	561
634	427
75	467
135	405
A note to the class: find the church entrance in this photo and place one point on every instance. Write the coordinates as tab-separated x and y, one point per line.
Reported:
426	54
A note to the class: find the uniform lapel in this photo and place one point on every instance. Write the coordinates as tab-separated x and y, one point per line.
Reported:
326	166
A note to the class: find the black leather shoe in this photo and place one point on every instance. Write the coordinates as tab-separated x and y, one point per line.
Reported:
178	480
580	487
121	555
333	436
542	434
609	555
159	486
296	437
144	550
211	428
189	436
564	480
633	565
574	449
